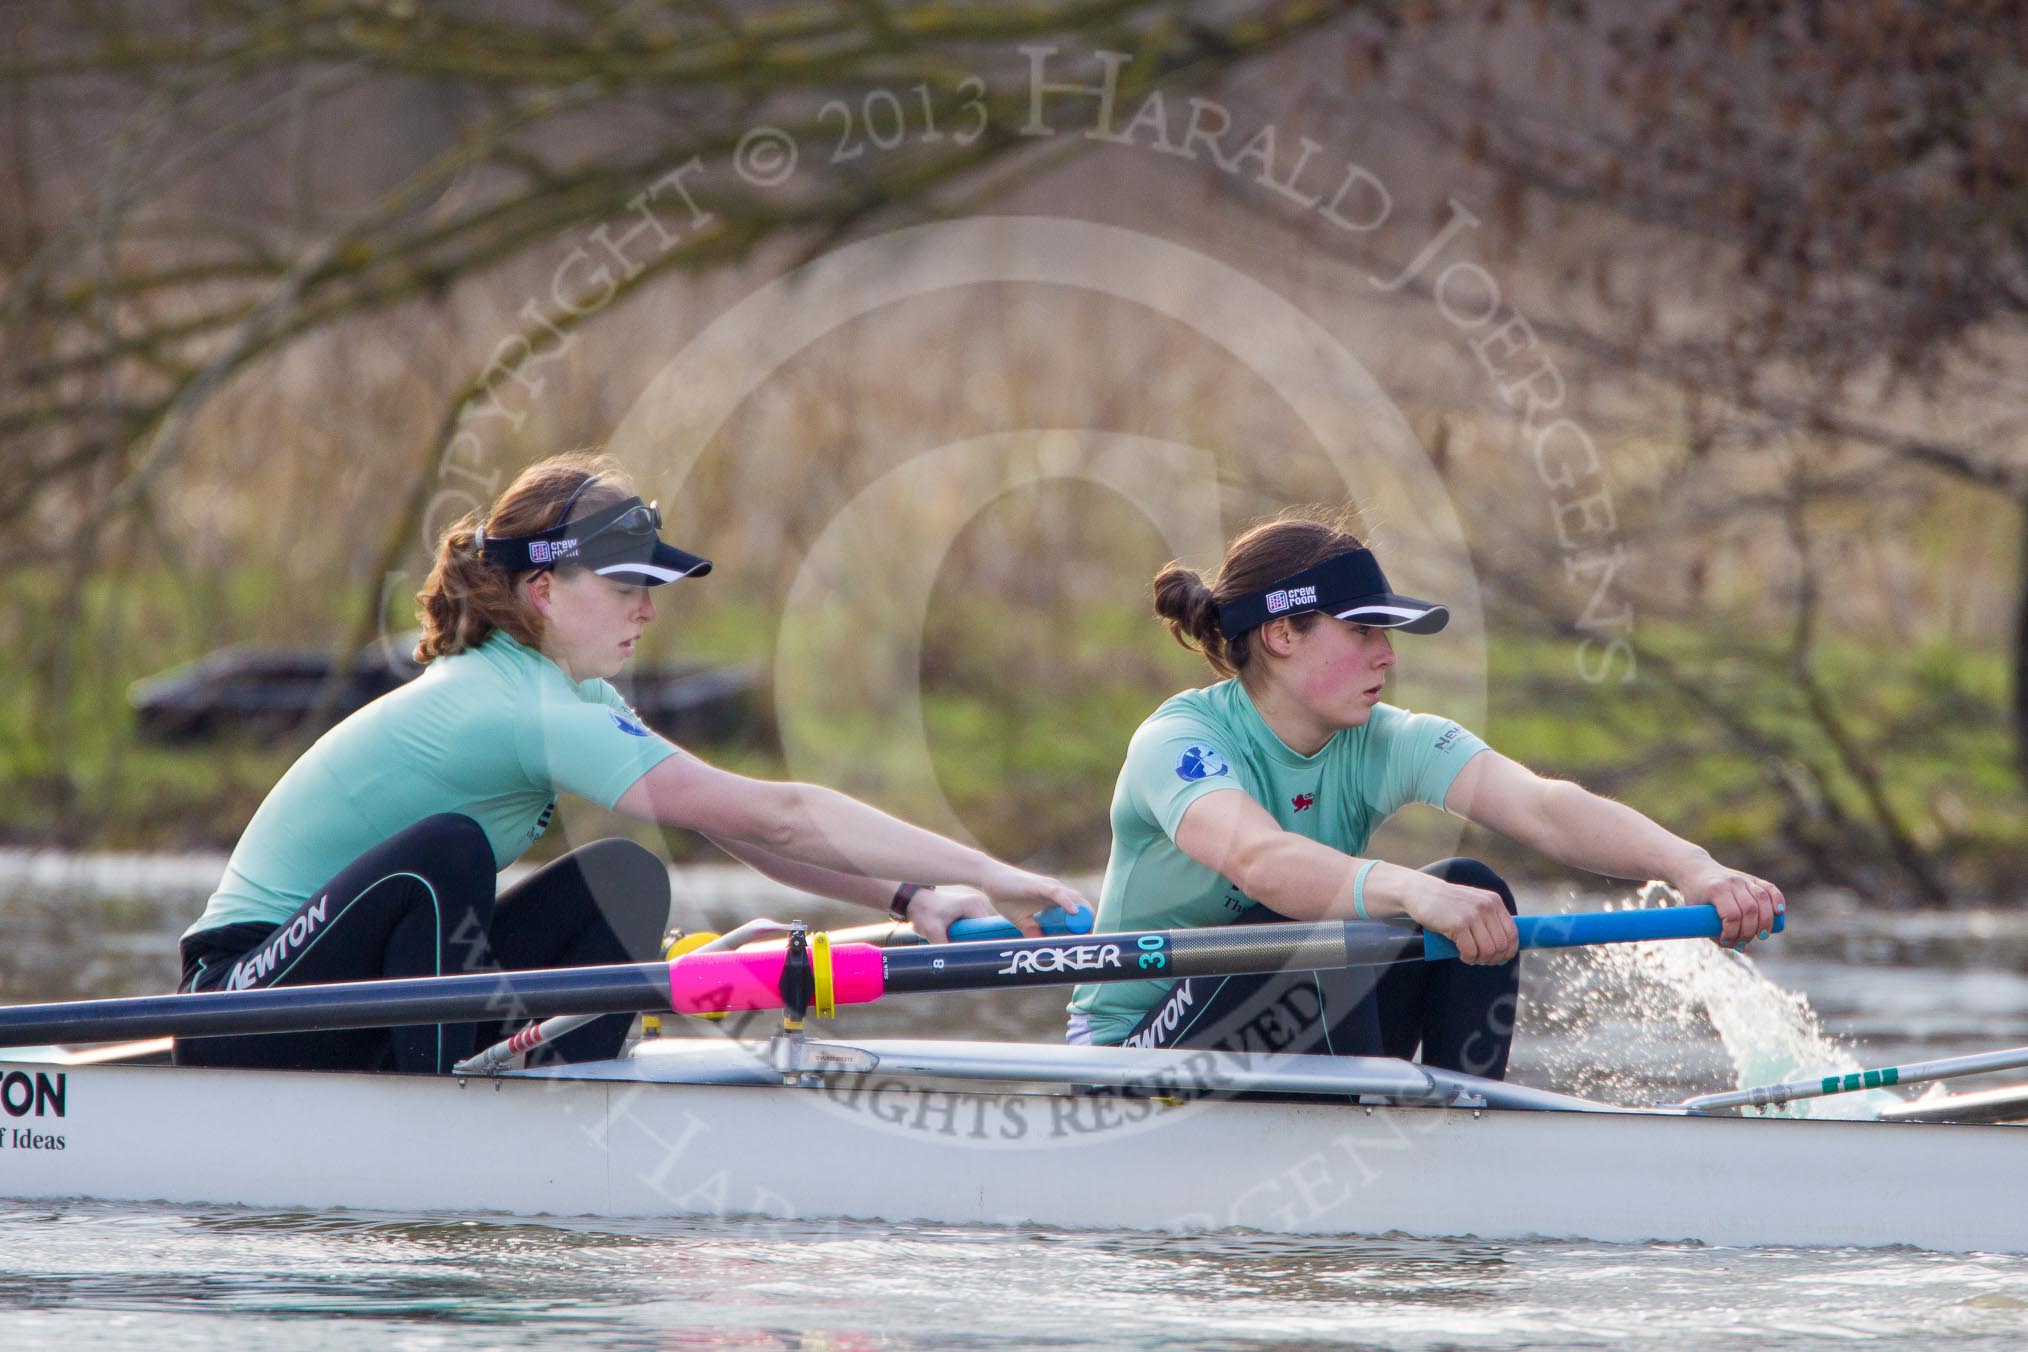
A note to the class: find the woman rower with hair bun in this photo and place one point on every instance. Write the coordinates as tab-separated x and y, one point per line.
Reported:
1253	799
376	853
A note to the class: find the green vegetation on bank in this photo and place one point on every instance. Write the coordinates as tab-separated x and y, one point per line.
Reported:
1026	716
1924	722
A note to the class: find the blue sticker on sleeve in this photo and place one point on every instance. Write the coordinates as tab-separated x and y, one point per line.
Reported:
1200	762
632	729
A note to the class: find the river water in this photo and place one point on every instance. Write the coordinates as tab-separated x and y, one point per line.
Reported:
1846	987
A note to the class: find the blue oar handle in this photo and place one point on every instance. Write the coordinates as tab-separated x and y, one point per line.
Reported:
1055	921
1602	927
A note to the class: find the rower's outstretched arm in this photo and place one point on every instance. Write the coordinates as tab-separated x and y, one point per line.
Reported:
1575	826
1304	879
856	888
930	914
812	825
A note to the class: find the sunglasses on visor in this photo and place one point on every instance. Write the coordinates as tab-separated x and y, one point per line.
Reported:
639	522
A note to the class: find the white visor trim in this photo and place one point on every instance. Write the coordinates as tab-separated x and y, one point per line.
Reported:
654	570
1393	612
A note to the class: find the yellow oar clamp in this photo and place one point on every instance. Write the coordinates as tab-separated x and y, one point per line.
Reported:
823	1005
690	943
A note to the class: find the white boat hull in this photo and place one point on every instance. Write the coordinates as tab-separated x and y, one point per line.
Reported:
879	1147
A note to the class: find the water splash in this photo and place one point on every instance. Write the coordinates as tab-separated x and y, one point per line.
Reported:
1685	1018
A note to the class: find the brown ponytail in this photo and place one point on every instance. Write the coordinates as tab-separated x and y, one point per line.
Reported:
1185	603
1297	539
465	598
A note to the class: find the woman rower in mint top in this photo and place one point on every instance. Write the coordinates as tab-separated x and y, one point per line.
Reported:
376	853
1253	799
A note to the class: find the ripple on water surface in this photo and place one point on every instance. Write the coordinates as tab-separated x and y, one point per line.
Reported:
91	1275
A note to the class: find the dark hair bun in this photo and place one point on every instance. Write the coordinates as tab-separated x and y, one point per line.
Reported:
1297	539
1183	600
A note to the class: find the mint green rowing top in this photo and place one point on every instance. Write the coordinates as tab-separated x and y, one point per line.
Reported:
495	732
1210	740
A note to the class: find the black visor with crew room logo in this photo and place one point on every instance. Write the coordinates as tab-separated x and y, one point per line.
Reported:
619	541
1348	587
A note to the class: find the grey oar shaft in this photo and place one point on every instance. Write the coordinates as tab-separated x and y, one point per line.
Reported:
625	988
1916	1072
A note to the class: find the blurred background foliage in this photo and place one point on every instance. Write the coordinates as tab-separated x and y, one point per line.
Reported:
264	265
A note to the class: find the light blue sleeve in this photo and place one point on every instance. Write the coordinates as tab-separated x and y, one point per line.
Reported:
1172	762
1411	758
594	747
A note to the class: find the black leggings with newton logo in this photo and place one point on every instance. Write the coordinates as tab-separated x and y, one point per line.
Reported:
1459	1016
422	903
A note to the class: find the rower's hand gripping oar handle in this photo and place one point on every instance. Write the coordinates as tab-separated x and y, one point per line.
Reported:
1604	927
1054	921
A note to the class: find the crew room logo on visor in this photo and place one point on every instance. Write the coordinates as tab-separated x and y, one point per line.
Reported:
1200	762
551	551
1279	601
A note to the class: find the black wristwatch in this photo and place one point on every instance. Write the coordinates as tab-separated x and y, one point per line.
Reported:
898	908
